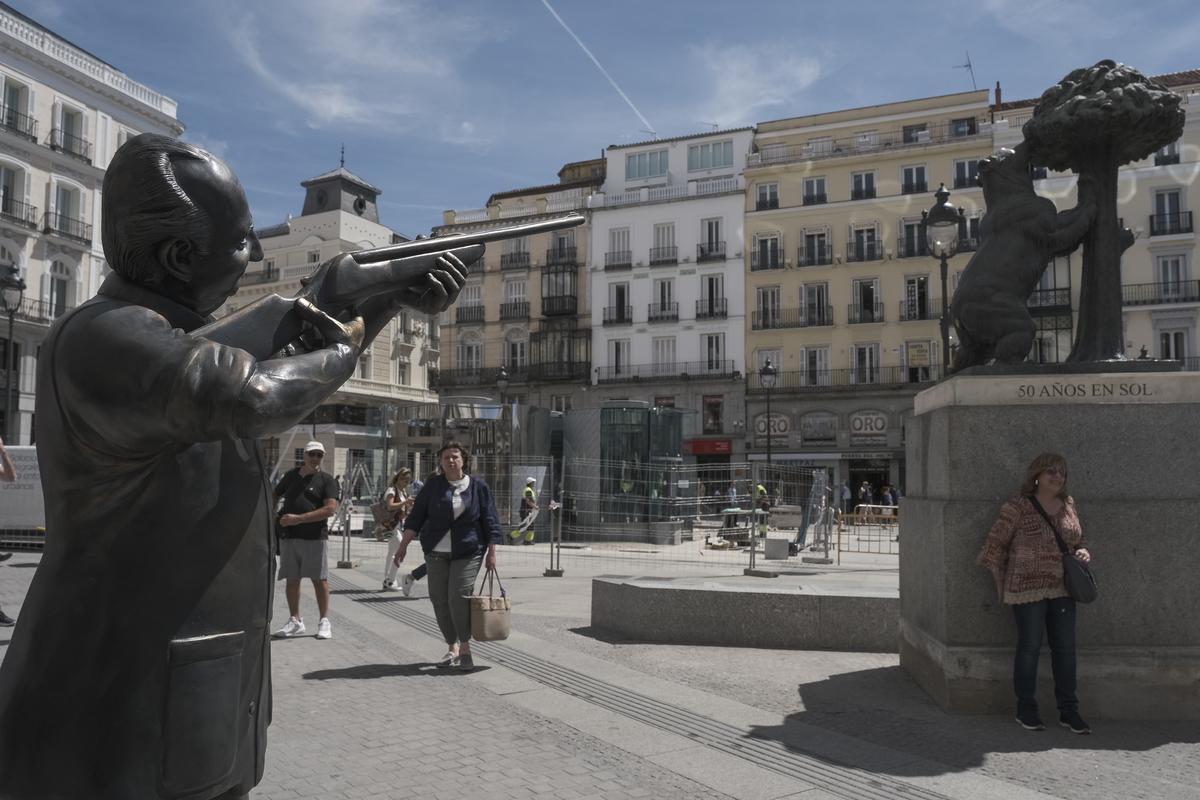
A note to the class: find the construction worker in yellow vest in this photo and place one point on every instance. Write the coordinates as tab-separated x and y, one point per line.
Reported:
529	512
762	504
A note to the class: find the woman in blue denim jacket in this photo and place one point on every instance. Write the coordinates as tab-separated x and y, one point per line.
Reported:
459	530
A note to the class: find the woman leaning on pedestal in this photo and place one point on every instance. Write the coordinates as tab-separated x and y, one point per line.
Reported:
1023	556
459	530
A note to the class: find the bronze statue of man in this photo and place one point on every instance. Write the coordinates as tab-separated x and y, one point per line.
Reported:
141	667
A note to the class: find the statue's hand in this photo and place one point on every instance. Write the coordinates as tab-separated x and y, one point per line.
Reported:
332	331
440	287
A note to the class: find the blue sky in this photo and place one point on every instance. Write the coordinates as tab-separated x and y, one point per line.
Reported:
441	103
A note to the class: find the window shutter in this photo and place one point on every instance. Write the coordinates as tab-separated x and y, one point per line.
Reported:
56	115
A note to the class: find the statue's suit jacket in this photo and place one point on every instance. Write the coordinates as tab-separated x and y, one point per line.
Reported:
140	665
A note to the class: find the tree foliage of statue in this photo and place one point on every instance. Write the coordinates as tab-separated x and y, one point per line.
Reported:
1093	121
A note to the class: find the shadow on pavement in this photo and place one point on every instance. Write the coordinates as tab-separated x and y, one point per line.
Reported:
885	707
363	672
602	636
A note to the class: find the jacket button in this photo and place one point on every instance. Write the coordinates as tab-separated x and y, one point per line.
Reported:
253	706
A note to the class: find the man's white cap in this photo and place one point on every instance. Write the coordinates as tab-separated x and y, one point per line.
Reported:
529	481
314	445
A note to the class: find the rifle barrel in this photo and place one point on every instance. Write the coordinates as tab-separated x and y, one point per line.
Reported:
439	244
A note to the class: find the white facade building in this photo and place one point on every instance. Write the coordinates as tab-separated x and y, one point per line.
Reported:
63	113
666	281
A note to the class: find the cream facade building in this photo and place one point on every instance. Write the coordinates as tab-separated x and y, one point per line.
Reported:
525	306
63	113
383	417
841	294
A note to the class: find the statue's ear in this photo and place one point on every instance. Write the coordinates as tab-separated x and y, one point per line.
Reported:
175	256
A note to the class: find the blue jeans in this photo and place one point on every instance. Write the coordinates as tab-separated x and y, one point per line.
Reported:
1057	618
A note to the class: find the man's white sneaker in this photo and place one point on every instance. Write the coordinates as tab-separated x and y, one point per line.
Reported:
294	627
406	583
389	586
323	629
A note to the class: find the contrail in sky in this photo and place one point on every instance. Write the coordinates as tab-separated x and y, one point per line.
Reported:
599	66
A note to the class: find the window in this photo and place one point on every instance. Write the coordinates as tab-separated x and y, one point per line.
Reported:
964	126
713	155
774	355
814	366
472	295
517	245
558	282
968	234
1172	344
364	366
768	196
12	194
820	146
711	231
713	412
663	251
645	165
61	298
618	356
916	298
1170	271
814	300
1169	154
514	291
16	107
618	295
560	402
469	354
663	349
966	173
864	245
713	347
712	245
912	180
814	191
314	257
664	293
816	251
402	372
767	249
864	363
913	133
1167	216
712	287
912	239
866	307
515	350
862	185
766	304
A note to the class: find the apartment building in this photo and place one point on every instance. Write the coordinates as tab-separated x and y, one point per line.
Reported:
842	295
63	113
524	308
665	271
1156	198
385	415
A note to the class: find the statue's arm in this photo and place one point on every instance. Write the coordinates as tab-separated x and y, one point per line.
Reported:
1071	226
280	392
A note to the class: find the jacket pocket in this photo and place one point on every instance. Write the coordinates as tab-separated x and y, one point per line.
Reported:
201	730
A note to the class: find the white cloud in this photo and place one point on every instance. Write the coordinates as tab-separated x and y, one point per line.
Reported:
745	81
218	147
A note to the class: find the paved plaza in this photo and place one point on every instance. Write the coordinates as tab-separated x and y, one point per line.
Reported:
562	711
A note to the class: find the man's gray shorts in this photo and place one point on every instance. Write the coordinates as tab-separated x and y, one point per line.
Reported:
304	558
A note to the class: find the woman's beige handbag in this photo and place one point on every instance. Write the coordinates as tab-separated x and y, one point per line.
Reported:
491	615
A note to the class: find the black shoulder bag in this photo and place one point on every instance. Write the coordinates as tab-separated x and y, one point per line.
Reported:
1077	576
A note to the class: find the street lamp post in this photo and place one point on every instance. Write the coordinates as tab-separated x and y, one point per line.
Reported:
12	292
766	378
941	227
506	444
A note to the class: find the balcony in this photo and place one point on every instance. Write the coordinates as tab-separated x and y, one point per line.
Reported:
468	313
1167	224
845	379
863	251
71	144
920	187
560	371
663	312
1049	300
966	181
14	121
1145	294
1165	159
617	260
776	318
907	247
766	204
862	194
762	260
561	256
710	251
679	370
40	311
555	305
474	376
968	244
67	227
896	139
618	315
514	261
664	255
919	309
22	214
712	308
864	313
815	199
516	309
257	276
814	256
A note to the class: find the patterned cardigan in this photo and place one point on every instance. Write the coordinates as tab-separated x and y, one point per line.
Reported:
1022	554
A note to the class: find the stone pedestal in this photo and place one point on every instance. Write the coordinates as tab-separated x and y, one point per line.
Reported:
1132	444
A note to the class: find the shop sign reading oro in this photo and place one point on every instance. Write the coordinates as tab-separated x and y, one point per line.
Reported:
777	426
868	428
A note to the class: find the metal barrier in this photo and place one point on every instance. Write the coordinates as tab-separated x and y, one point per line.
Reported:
871	528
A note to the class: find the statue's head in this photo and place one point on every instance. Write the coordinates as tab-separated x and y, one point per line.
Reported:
1006	171
175	219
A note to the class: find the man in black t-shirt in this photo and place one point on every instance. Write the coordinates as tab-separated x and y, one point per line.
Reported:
310	497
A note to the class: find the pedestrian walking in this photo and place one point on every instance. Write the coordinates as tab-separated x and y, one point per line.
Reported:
8	474
310	497
1023	556
529	512
455	517
847	498
398	501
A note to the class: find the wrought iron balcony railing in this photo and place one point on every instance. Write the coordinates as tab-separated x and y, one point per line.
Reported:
71	228
14	121
814	256
911	248
618	315
671	371
896	139
845	379
664	255
618	260
860	314
554	305
775	318
662	312
865	193
468	313
712	308
765	259
22	214
919	187
1144	294
515	309
1165	159
561	256
1050	299
816	199
764	204
1167	224
710	251
863	251
71	144
927	308
514	260
966	181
